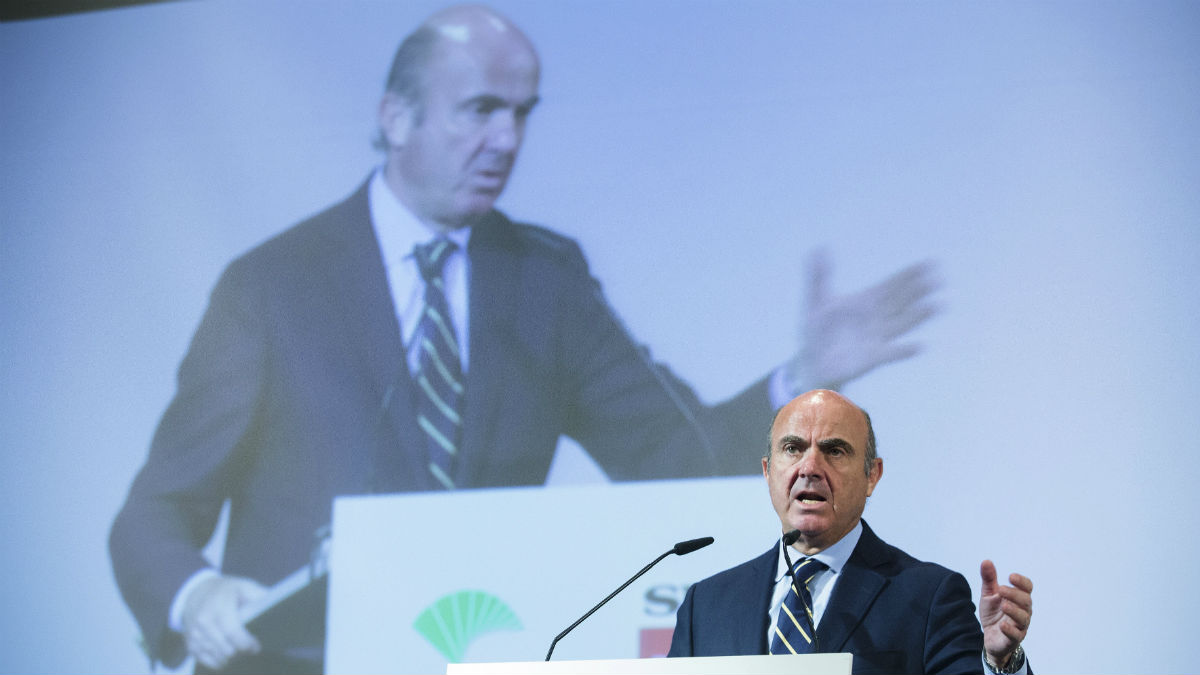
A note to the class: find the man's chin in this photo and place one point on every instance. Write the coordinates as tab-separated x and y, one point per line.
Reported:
479	202
810	527
467	212
487	189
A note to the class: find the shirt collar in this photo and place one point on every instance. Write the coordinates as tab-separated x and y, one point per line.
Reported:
835	557
396	228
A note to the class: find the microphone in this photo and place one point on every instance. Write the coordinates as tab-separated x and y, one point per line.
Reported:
686	547
791	537
682	548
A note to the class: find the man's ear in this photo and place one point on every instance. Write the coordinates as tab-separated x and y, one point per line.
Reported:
875	475
396	118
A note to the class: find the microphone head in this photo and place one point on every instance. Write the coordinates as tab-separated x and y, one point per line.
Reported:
791	537
685	547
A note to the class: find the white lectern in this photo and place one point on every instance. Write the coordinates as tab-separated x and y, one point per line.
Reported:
418	581
806	664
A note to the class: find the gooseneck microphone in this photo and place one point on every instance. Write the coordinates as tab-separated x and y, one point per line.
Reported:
682	548
685	547
790	538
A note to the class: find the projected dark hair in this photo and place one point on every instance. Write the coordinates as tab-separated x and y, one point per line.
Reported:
406	78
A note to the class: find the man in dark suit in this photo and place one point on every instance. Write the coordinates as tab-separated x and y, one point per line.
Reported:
307	377
894	613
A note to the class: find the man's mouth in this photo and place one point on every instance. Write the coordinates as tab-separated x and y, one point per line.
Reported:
491	178
807	497
492	174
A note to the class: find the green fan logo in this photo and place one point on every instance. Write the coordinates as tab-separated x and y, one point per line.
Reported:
454	620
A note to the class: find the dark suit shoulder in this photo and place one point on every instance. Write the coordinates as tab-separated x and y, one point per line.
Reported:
751	572
546	239
347	222
890	561
527	239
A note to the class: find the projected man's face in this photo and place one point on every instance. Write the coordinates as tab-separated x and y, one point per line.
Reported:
463	137
815	474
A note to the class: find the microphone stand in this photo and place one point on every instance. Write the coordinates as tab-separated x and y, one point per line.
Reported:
682	548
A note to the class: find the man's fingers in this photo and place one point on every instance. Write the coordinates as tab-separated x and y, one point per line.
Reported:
892	353
212	625
214	644
1016	607
900	322
1016	596
1020	581
1020	621
1012	632
209	659
987	574
899	303
209	645
911	284
238	638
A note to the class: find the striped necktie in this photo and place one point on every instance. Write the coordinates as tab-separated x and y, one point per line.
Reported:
439	373
795	629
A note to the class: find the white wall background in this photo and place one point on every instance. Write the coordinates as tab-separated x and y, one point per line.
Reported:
1045	154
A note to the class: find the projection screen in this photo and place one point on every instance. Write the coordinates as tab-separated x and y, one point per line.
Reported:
707	156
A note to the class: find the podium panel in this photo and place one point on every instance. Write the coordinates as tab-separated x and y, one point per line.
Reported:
792	664
419	581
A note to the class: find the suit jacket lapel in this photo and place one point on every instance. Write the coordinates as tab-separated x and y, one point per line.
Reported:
494	300
858	586
360	287
754	614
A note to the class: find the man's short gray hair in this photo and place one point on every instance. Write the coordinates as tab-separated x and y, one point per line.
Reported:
407	76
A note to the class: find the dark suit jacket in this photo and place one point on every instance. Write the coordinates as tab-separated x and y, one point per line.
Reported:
281	405
895	613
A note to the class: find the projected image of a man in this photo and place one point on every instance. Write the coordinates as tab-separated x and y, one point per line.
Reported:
415	338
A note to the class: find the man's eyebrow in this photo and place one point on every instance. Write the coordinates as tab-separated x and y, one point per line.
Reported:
490	100
834	443
791	438
496	102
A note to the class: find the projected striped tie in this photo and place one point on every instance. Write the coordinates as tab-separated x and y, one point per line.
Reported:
795	629
439	374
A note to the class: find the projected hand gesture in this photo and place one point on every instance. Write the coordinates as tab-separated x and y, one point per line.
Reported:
845	337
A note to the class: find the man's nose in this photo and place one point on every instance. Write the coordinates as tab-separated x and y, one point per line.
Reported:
809	464
504	131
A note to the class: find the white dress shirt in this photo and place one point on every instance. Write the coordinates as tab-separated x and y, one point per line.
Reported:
397	230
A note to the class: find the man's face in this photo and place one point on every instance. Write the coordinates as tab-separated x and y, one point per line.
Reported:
815	474
464	134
